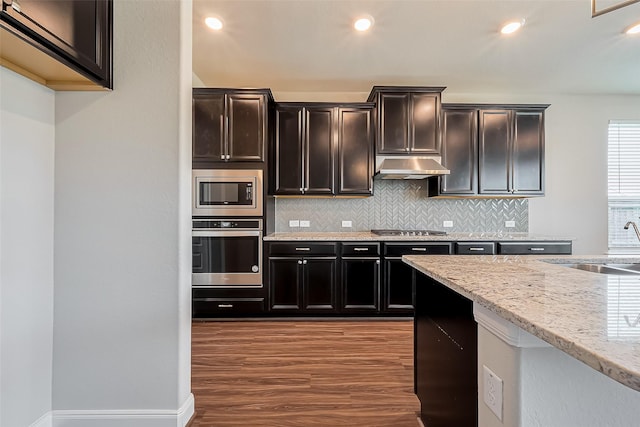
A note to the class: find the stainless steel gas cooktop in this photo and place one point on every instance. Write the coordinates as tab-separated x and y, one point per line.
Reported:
408	233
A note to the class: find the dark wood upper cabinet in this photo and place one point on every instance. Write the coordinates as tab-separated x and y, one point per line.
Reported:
304	149
407	119
511	151
77	33
460	150
323	149
287	168
230	125
492	150
355	150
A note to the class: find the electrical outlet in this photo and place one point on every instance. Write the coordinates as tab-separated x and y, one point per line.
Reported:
346	223
294	223
304	223
447	224
509	224
492	392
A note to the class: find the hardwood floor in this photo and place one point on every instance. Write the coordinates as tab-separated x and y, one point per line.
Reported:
304	373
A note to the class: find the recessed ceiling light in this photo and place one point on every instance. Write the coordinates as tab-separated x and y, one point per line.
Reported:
512	27
634	29
363	23
213	23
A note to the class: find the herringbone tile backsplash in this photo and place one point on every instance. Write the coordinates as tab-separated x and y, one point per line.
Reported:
404	205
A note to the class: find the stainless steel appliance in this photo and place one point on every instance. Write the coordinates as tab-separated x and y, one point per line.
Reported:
227	192
408	233
227	253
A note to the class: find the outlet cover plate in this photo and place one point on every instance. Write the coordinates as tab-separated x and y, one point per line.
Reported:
492	391
447	224
294	223
346	223
305	223
510	224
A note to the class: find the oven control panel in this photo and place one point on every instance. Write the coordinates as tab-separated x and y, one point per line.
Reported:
235	224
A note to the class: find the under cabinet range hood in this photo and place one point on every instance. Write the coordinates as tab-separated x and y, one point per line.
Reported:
409	167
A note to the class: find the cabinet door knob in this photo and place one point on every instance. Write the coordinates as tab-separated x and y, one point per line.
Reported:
300	261
222	157
304	262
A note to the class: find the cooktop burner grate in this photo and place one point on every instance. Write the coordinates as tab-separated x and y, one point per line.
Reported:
409	232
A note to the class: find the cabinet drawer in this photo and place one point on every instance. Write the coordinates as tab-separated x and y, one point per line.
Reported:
534	248
360	249
475	248
303	248
213	307
417	248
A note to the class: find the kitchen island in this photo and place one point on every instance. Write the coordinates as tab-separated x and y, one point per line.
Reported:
536	319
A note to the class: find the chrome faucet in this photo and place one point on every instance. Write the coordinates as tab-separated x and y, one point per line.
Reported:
635	227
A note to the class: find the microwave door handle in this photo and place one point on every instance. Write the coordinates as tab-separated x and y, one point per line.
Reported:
249	194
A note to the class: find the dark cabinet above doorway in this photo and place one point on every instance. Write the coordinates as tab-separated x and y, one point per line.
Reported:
62	44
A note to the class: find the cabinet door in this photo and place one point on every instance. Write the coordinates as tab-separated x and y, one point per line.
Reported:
360	285
494	152
393	123
208	126
246	127
355	141
320	284
285	280
319	150
424	138
288	151
399	287
79	33
460	151
528	152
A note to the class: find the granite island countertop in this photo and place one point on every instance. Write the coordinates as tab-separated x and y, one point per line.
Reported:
368	236
594	318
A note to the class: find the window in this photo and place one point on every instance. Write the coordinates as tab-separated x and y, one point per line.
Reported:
624	183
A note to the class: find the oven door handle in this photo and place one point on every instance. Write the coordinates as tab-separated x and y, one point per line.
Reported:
226	233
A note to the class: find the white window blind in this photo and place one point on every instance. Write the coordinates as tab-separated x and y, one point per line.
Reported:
623	182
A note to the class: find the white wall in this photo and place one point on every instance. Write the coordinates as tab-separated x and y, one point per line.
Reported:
122	230
26	249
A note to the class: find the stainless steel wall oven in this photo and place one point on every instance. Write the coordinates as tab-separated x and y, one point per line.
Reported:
227	253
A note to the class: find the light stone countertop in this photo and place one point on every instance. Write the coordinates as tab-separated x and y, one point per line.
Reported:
367	235
592	317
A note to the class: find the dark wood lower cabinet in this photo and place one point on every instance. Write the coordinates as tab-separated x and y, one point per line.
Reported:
358	278
399	289
303	285
360	285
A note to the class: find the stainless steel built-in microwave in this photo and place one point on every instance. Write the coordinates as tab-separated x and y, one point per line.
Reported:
225	192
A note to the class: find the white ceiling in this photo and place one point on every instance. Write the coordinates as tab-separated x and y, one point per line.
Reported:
310	46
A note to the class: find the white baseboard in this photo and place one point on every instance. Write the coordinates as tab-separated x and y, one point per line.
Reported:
44	421
125	418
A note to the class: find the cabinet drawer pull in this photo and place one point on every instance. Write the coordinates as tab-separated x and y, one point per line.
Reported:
477	249
419	249
360	249
536	249
225	305
303	249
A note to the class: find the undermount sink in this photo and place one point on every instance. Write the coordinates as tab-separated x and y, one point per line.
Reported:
617	269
